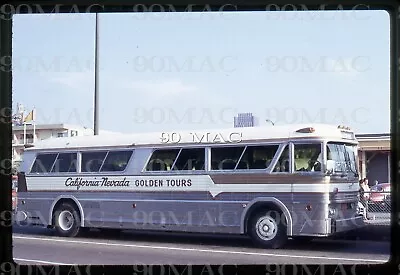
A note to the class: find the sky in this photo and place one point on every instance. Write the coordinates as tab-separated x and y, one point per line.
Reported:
182	71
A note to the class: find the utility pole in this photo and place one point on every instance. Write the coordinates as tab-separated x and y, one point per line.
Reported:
96	79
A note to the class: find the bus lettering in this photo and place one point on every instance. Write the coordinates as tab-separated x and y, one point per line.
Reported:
179	183
80	182
117	183
149	183
216	138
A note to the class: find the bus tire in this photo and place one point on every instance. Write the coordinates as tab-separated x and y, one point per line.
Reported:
67	220
267	230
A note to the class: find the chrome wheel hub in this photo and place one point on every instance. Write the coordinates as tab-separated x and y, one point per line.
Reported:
266	228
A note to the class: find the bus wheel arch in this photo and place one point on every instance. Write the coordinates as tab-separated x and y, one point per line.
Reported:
66	217
73	201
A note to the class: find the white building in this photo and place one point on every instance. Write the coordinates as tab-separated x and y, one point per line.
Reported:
31	133
27	131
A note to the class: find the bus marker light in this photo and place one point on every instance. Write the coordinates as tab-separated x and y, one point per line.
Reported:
306	130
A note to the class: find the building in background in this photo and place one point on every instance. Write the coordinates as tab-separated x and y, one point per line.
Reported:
26	131
374	157
28	134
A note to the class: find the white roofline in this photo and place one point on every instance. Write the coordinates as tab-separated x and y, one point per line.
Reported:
188	137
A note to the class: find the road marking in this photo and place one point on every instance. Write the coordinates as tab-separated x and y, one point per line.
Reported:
198	250
40	261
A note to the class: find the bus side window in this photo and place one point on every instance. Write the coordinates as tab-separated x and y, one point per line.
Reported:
157	165
92	161
214	165
199	165
65	162
162	159
188	158
116	161
225	158
243	165
257	157
227	164
43	163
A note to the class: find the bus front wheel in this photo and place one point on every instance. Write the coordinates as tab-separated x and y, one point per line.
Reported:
67	220
267	230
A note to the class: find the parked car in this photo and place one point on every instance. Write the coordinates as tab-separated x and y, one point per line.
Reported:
379	197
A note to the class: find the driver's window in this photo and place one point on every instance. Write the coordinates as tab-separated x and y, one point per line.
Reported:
307	157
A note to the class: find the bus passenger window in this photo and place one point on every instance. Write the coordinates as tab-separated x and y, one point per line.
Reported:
243	165
225	158
190	159
257	157
162	160
43	163
116	161
307	157
228	164
65	162
157	165
92	161
214	165
199	165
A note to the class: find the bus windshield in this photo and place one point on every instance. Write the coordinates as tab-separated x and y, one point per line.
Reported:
344	156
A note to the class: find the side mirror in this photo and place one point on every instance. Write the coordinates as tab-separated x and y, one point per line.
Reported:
330	166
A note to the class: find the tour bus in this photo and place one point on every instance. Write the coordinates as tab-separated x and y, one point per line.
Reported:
272	183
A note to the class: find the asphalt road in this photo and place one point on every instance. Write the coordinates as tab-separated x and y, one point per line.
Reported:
36	245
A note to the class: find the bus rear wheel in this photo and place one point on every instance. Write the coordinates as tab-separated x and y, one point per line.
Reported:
267	230
67	220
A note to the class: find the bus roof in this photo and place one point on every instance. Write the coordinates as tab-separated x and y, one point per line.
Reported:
205	136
